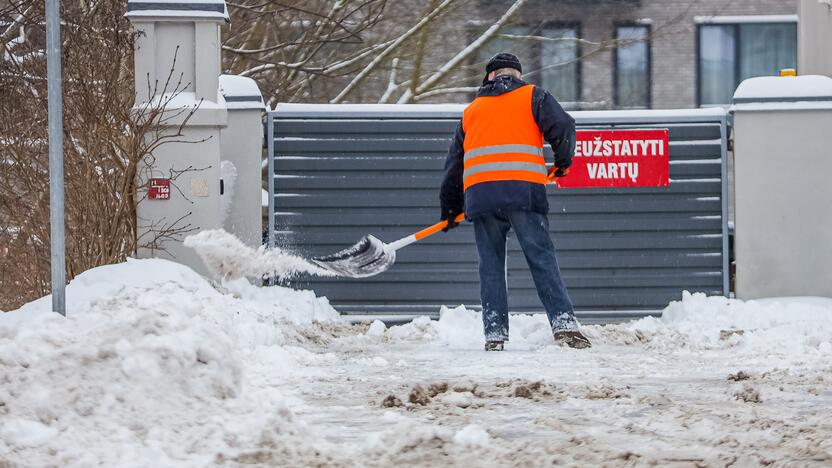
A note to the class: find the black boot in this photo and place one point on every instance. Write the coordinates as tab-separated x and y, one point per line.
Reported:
572	338
493	345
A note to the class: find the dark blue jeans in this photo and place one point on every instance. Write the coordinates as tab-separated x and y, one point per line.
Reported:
532	231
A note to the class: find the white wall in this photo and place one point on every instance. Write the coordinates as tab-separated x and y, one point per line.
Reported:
242	144
814	38
186	42
168	37
783	226
197	210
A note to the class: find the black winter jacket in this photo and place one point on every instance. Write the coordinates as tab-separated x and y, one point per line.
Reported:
558	130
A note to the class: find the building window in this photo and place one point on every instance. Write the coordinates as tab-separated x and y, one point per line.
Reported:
632	67
732	52
550	56
559	65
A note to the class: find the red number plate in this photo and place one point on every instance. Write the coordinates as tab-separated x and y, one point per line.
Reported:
159	189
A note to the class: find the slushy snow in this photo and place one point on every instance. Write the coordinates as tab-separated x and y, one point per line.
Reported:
156	366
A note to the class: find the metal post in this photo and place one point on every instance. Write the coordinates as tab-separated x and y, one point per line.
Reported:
270	118
726	248
56	155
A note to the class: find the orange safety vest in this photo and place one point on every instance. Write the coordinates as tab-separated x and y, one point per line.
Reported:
502	140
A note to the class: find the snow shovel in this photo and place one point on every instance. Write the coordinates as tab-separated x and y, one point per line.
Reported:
370	256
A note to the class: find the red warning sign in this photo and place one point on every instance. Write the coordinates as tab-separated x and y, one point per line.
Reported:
159	189
620	158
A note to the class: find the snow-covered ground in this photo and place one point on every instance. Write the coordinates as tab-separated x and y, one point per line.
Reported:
155	366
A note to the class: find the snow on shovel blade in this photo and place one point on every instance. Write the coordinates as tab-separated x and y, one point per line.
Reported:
366	258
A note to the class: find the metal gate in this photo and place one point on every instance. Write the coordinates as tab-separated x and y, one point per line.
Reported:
342	171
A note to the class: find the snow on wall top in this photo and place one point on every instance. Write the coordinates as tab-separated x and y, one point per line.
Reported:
170	9
711	113
373	110
777	91
403	111
183	100
240	92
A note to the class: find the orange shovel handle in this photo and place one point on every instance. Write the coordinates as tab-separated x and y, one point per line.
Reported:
429	231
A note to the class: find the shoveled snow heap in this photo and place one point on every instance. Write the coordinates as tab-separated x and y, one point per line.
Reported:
154	366
149	369
786	326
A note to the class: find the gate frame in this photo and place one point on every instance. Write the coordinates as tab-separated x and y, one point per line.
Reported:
611	118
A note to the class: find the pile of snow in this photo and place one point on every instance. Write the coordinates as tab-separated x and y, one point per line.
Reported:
228	258
148	352
786	326
460	328
155	366
794	326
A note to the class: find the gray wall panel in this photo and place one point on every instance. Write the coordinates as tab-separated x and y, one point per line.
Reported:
342	172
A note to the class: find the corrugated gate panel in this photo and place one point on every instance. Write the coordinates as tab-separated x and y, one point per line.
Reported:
344	171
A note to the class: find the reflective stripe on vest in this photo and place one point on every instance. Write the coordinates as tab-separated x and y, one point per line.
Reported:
504	162
502	140
503	149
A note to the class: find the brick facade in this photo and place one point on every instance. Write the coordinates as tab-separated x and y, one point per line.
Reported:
673	42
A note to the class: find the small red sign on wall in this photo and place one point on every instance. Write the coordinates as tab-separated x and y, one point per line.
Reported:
159	189
620	158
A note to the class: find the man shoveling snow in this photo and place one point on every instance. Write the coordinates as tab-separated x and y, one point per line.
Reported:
495	170
496	176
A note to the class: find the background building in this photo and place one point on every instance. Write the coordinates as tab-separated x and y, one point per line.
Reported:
629	54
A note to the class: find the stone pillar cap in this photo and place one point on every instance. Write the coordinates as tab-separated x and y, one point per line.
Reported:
241	92
784	89
767	93
177	10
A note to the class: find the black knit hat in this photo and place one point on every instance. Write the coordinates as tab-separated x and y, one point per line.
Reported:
501	60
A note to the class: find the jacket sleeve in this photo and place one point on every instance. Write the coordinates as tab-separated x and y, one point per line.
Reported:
451	196
557	126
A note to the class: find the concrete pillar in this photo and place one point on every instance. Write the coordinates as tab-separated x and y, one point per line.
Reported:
814	37
242	153
782	164
177	65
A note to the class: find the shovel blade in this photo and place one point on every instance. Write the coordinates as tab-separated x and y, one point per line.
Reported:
367	257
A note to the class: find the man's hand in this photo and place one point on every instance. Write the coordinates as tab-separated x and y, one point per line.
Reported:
450	215
557	172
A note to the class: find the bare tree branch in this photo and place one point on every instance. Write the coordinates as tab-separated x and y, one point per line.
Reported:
391	83
463	54
389	50
445	91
